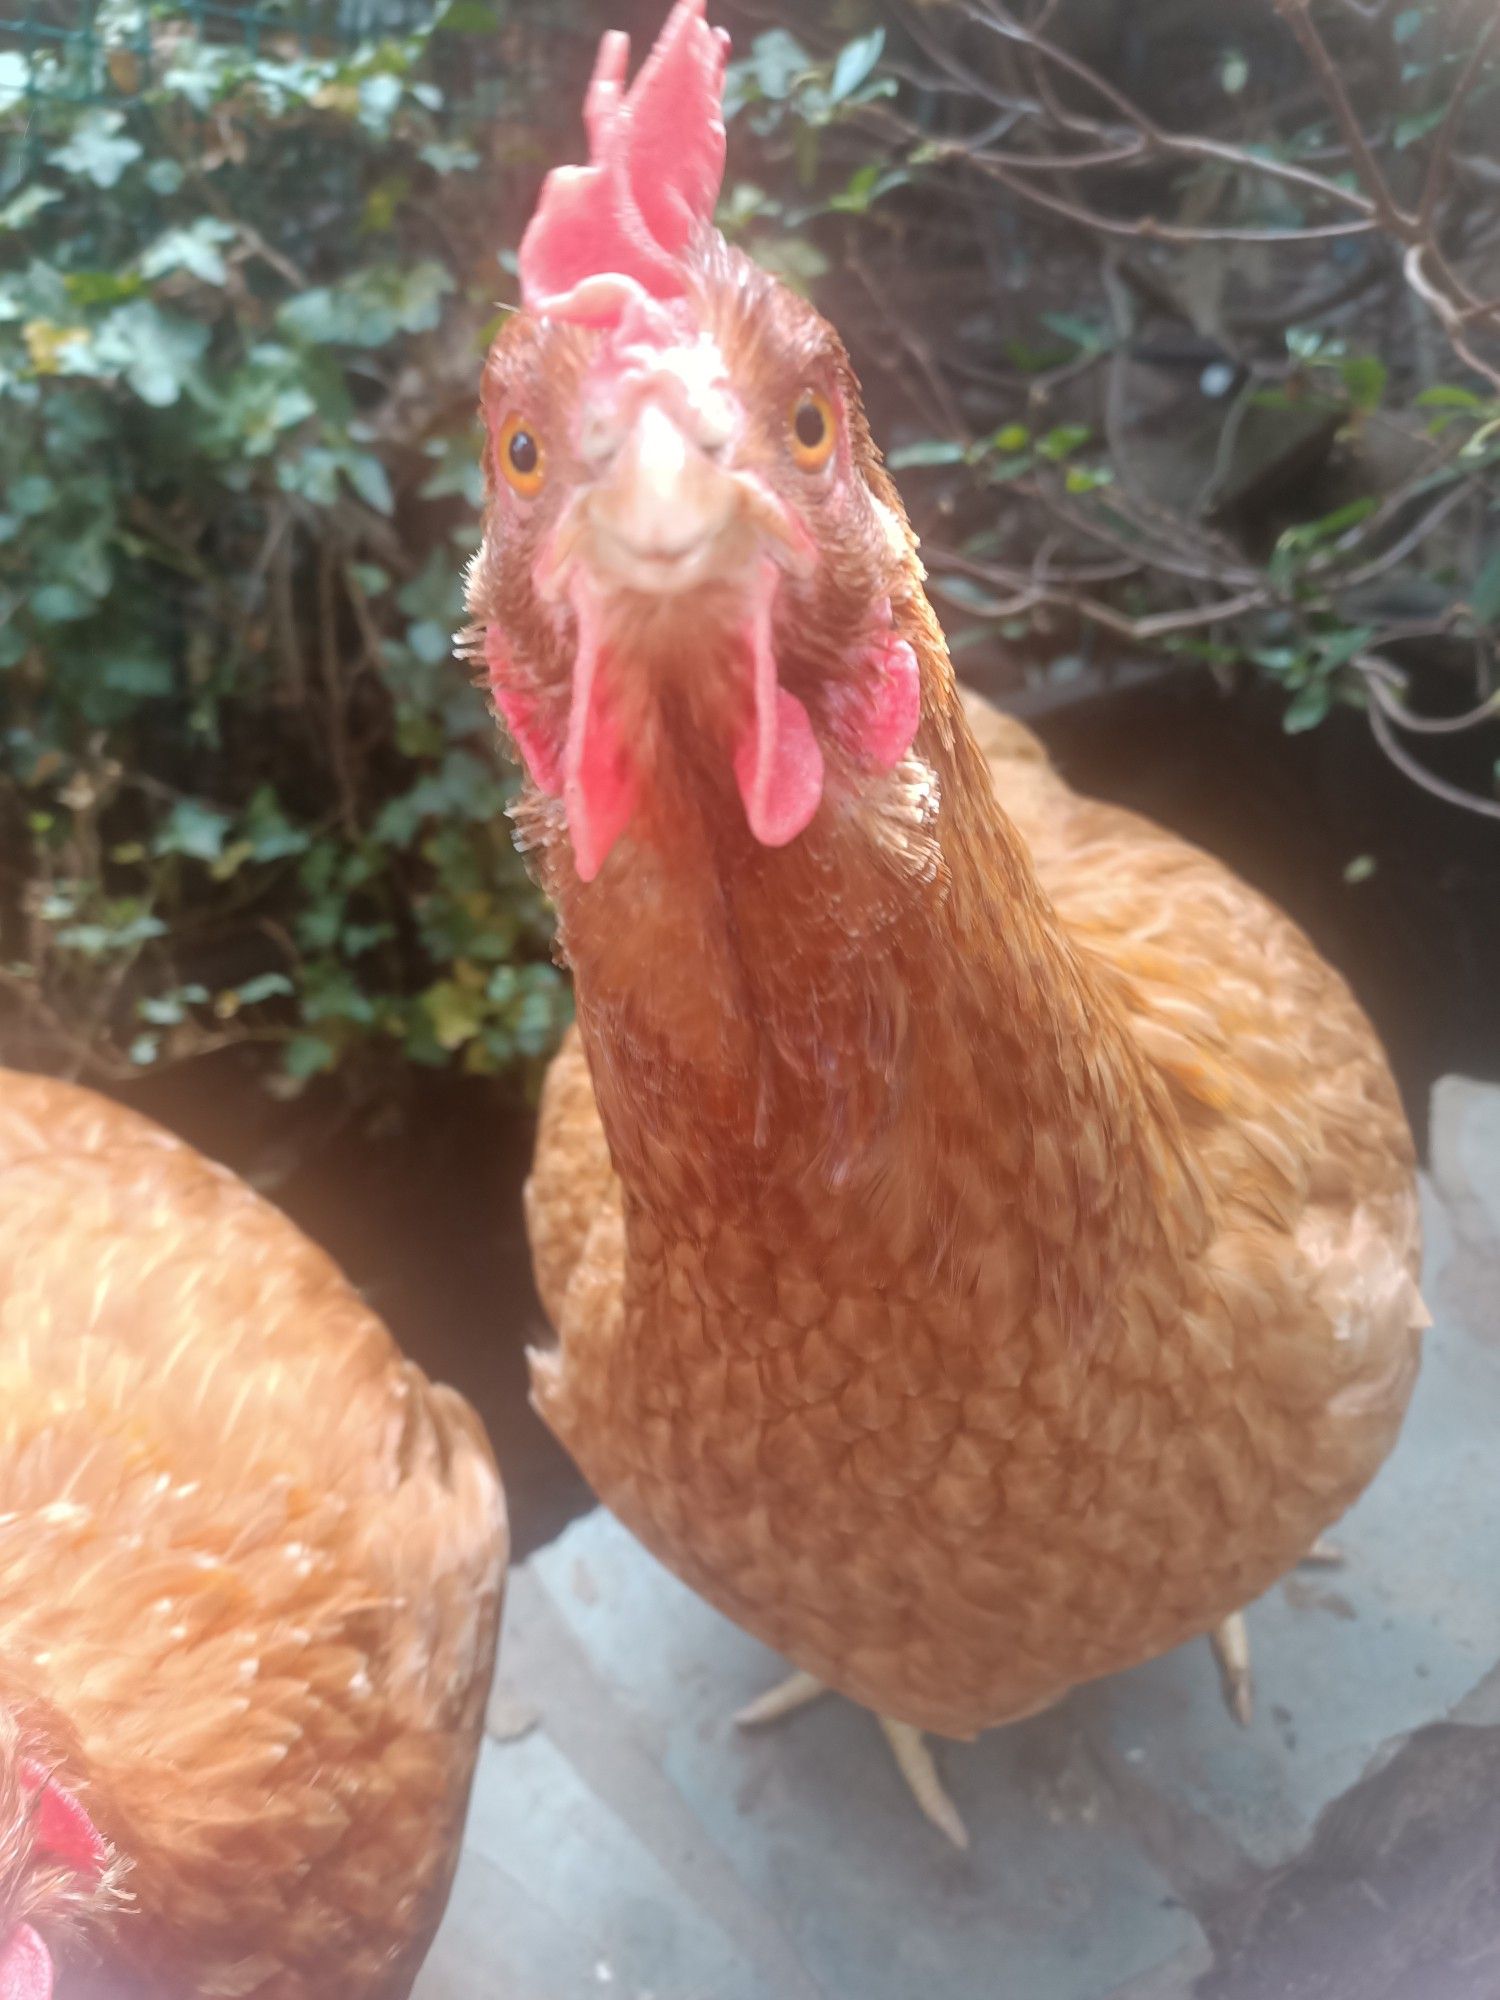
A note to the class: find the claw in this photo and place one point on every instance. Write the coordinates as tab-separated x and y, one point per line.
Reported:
914	1761
913	1758
1323	1555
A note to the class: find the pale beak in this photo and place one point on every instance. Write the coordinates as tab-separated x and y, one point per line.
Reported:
662	513
669	515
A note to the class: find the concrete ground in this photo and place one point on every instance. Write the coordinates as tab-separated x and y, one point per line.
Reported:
627	1841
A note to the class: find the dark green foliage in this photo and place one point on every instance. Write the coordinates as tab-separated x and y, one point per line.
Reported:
245	791
245	284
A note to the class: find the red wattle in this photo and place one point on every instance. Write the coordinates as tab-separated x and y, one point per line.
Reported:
598	785
778	764
780	781
25	1966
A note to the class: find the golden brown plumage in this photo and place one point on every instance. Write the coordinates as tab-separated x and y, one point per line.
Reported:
980	1231
250	1570
1058	1363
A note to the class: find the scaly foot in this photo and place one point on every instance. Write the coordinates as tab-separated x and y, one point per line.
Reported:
1231	1646
784	1699
1231	1640
913	1758
914	1762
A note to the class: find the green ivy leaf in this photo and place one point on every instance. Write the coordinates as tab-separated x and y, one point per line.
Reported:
927	451
33	494
1451	396
1364	376
368	477
264	986
455	1011
194	249
194	829
1063	439
1308	707
855	62
126	930
270	834
60	604
777	59
1484	597
99	149
308	1056
15	78
371	307
156	352
137	673
446	158
29	203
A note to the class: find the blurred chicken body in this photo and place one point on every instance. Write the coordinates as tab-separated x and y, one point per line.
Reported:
250	1574
981	1231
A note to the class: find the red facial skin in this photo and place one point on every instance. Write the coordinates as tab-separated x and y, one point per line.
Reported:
648	343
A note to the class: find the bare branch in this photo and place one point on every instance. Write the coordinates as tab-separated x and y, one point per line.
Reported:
1299	18
1419	725
1453	795
1151	229
1454	318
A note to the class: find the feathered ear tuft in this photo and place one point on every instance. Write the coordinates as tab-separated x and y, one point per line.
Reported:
617	229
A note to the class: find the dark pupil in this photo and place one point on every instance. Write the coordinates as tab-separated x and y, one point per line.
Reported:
810	425
524	455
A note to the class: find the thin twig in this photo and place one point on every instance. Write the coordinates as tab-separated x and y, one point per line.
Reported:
1393	218
1453	795
1447	132
1419	725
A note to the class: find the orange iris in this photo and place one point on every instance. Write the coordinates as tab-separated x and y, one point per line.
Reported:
522	460
813	430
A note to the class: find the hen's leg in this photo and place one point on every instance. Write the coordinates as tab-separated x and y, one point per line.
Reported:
1323	1555
784	1699
1231	1641
913	1758
1231	1644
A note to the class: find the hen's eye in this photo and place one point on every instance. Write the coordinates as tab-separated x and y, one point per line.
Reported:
521	458
812	430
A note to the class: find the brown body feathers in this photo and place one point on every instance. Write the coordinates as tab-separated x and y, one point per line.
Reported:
250	1570
1006	1262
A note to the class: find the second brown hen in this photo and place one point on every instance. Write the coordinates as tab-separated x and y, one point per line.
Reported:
250	1575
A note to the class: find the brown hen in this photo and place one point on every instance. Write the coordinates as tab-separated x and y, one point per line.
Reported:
981	1231
250	1575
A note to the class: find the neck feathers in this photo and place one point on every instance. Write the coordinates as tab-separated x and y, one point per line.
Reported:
878	1036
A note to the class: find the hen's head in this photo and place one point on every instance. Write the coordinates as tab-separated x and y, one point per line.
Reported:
55	1867
684	598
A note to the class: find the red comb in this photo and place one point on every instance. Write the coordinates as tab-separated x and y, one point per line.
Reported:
617	228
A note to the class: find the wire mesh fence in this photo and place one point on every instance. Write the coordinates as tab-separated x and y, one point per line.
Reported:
105	52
